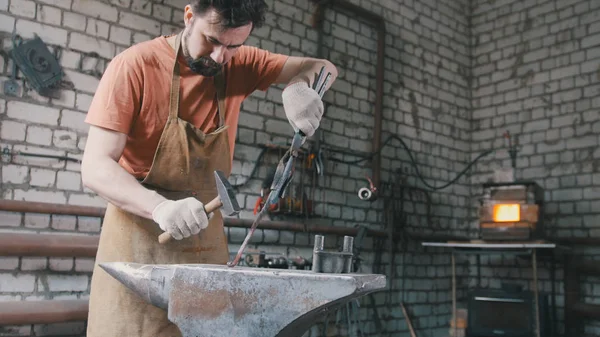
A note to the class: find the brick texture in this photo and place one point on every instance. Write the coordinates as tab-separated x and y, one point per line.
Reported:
424	101
535	75
457	75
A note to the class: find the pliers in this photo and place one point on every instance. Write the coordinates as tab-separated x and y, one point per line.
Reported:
284	172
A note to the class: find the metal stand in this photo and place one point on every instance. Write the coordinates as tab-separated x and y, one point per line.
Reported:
485	247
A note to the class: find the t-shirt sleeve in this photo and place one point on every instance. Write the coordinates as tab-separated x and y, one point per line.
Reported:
262	67
117	100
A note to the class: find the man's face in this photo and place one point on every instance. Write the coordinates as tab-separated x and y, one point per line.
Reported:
206	45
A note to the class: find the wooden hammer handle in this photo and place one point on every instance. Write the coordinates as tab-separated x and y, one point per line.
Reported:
212	206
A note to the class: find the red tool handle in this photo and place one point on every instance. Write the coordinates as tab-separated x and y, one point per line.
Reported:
212	206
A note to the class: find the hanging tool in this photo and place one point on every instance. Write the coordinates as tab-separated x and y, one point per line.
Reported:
283	176
264	189
284	172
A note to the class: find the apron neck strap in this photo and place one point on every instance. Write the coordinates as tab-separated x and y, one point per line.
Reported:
220	85
175	82
174	95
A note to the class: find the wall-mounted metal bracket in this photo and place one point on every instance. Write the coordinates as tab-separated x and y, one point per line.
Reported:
11	87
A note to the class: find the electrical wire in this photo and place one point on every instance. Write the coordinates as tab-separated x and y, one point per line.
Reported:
414	163
371	155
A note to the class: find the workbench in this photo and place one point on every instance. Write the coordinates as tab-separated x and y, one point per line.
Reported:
479	247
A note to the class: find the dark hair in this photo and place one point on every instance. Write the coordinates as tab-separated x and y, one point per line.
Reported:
234	13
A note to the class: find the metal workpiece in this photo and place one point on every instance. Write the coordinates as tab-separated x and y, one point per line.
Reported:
216	300
332	262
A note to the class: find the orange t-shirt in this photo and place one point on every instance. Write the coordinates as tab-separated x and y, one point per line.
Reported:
133	96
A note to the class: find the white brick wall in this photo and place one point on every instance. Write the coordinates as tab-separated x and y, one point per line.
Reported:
17	284
449	93
547	70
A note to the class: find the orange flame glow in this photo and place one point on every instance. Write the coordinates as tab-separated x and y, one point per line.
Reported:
507	213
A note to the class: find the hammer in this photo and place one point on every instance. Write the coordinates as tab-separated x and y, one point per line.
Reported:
225	200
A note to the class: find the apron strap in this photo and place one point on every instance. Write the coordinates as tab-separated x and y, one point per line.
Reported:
220	85
174	95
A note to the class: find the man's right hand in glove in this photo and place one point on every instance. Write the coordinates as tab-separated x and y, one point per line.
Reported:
181	218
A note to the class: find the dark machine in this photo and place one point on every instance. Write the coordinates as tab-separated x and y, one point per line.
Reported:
507	312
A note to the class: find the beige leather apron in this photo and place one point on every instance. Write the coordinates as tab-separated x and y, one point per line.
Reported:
183	166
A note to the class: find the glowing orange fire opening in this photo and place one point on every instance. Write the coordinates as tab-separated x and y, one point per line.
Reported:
507	213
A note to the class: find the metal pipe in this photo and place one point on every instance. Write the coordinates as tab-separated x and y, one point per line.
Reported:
48	244
43	312
536	292
75	245
379	24
49	208
340	231
379	102
71	245
299	227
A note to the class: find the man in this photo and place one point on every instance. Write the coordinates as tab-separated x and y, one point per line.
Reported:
163	119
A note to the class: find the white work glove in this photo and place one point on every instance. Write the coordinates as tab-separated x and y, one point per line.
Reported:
303	107
181	218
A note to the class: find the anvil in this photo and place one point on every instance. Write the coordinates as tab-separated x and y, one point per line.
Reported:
216	300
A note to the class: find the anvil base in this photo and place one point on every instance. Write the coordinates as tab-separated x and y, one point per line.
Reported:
214	300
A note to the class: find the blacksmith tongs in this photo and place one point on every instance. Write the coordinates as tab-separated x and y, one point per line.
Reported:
284	173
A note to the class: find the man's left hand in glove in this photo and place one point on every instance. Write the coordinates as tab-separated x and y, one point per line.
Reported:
302	96
303	107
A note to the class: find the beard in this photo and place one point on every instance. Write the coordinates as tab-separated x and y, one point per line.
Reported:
203	65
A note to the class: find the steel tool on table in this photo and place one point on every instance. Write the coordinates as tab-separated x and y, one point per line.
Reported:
225	200
285	170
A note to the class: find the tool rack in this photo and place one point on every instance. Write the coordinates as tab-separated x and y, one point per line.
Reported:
301	198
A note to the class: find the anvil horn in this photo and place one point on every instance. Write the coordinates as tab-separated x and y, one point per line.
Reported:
150	282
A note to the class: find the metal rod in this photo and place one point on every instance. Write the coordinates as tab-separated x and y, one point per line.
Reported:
535	289
454	313
318	79
408	322
378	103
553	285
348	244
324	85
262	213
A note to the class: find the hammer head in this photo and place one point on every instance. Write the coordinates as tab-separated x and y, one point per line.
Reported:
225	190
